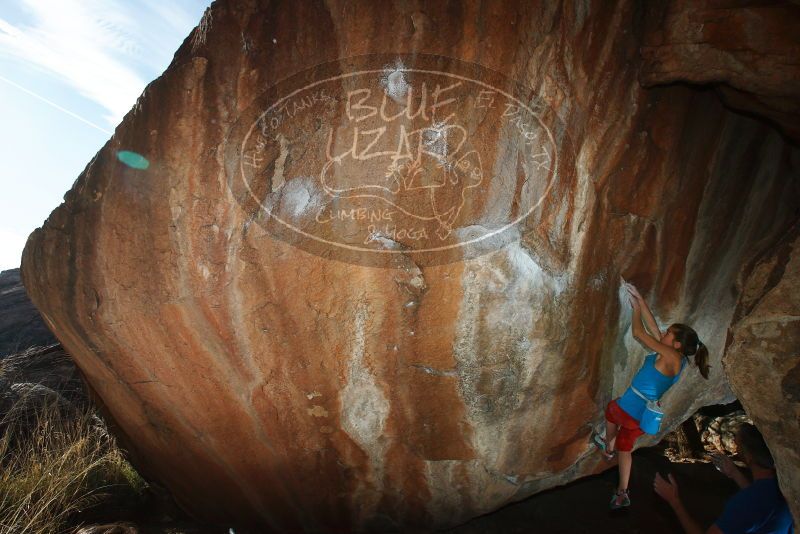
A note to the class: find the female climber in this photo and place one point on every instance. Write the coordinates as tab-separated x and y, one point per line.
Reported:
660	370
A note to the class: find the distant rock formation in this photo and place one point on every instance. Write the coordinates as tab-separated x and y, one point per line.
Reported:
34	368
37	376
354	266
21	325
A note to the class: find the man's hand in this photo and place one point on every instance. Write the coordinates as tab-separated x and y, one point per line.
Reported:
667	490
729	469
725	465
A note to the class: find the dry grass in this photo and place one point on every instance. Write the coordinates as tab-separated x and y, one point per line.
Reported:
55	461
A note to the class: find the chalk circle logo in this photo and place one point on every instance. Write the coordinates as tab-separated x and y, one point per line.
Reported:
375	157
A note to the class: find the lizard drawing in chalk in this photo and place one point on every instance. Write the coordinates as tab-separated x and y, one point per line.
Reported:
425	174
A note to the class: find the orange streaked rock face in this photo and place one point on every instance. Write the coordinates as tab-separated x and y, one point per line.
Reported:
338	300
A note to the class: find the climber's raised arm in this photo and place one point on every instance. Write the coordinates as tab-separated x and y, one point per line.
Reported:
644	337
649	320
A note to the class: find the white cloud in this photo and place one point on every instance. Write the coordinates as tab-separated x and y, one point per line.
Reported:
96	45
5	27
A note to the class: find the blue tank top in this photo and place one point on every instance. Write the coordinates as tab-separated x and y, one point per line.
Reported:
651	383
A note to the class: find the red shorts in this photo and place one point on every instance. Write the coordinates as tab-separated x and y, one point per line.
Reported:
628	427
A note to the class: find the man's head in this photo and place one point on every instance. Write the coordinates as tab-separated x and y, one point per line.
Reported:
753	448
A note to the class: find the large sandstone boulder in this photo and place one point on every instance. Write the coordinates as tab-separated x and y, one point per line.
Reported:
355	265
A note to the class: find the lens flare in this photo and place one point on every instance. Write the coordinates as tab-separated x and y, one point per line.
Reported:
133	160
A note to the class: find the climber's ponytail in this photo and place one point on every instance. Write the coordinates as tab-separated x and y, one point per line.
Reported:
701	359
692	346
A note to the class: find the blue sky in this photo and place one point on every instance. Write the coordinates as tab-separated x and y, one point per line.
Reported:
69	71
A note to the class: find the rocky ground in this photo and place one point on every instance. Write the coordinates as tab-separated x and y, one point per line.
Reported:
582	507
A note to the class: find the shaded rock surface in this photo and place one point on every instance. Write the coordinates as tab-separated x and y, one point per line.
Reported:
273	382
748	50
763	357
21	325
